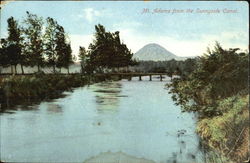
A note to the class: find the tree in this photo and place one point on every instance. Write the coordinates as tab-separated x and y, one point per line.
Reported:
65	57
170	73
63	49
13	49
4	62
219	74
50	42
100	48
33	40
123	55
107	51
189	66
82	57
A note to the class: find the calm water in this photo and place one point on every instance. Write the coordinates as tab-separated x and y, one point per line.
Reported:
135	117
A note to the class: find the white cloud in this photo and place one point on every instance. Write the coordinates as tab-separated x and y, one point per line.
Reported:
89	14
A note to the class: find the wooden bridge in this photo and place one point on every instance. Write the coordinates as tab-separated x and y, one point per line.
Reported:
130	75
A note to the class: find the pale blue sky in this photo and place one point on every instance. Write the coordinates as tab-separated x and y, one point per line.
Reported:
185	34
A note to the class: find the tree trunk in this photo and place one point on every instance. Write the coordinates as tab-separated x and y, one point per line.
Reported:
11	68
22	69
15	69
38	68
81	68
54	69
68	69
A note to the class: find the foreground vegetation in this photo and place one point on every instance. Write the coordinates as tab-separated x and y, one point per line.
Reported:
228	134
217	90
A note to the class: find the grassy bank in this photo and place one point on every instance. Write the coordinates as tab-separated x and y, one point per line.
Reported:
19	89
228	134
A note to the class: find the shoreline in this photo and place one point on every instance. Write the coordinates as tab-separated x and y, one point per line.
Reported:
35	88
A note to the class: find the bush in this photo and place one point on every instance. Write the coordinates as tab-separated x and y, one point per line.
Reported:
219	74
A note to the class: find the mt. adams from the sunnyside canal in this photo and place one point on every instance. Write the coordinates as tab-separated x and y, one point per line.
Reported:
155	52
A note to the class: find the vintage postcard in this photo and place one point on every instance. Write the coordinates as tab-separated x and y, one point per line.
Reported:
124	81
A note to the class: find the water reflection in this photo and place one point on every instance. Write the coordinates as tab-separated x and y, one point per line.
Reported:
107	96
186	149
27	104
116	157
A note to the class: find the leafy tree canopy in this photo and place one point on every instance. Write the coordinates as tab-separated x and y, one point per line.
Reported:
107	50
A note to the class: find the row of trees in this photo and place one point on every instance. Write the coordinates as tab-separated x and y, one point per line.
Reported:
35	43
105	53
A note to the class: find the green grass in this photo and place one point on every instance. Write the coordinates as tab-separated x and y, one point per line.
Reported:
228	133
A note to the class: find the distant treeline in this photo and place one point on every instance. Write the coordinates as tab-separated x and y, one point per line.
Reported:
171	67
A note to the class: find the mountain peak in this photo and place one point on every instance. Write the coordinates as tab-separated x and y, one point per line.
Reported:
154	52
153	44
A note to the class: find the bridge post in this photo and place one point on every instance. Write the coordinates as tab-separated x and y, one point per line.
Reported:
160	77
140	78
150	77
120	77
129	78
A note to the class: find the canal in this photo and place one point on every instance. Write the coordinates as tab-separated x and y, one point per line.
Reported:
136	118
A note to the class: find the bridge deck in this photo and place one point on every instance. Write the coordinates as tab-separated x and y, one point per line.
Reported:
136	74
